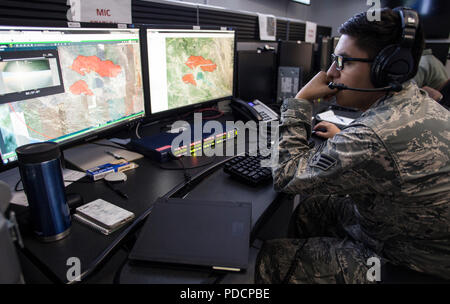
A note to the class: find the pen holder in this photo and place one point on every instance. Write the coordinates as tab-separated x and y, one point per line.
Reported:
42	179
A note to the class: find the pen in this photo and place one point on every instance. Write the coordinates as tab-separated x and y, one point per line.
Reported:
119	192
114	155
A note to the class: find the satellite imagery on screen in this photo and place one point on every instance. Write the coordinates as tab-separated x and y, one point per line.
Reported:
96	80
198	69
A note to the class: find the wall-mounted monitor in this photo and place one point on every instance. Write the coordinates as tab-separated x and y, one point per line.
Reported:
66	84
189	67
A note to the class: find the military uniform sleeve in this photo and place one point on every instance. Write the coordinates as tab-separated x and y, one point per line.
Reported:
347	163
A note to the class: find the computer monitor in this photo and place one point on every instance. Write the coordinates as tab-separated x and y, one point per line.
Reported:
257	76
297	54
189	67
326	47
66	84
433	15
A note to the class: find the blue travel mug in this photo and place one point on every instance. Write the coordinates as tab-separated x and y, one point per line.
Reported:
42	179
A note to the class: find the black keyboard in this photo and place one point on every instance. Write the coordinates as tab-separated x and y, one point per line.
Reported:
248	170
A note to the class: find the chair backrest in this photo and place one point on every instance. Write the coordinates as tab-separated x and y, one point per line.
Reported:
392	274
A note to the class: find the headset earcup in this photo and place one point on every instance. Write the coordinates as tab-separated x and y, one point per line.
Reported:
393	64
378	75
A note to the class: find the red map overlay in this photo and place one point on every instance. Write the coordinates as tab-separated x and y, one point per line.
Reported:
80	87
87	64
189	78
198	61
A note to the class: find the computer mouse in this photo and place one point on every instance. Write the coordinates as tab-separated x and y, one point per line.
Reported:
313	132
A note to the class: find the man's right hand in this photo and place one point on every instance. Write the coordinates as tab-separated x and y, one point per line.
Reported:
330	129
317	88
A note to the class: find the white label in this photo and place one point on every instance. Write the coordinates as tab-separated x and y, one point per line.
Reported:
102	11
73	24
310	33
267	27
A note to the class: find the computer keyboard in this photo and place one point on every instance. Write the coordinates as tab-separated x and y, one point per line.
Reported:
248	170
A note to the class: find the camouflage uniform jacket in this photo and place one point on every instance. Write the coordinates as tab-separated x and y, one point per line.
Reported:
393	162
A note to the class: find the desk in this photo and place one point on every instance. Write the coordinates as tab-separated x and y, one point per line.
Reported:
144	185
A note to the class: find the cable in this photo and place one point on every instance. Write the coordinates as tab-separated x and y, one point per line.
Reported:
111	146
187	168
187	176
17	185
137	130
78	181
205	110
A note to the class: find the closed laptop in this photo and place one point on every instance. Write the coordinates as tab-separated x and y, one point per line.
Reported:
191	232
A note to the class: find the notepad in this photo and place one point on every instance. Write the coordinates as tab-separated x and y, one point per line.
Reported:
103	216
330	116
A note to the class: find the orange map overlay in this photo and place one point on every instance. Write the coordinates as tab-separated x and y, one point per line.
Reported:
86	64
198	61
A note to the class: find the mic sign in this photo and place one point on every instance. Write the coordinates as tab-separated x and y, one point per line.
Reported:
103	12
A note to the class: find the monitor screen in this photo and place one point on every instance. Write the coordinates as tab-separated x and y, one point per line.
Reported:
256	76
65	84
295	54
433	15
188	67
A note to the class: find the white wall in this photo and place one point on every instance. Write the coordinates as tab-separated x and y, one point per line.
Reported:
327	12
274	7
323	12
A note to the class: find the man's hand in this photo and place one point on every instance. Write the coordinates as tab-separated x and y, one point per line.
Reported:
330	129
435	94
317	88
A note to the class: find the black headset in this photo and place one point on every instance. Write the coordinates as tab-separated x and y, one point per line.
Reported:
395	63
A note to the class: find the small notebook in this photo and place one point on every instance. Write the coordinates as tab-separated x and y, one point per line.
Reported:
103	216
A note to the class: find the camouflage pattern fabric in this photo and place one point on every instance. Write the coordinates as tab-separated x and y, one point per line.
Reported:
323	252
394	164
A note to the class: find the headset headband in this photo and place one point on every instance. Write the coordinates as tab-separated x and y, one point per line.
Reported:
410	23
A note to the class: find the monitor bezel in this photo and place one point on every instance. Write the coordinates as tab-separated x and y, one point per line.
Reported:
94	134
175	114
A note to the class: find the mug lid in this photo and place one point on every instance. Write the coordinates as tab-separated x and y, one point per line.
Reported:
38	152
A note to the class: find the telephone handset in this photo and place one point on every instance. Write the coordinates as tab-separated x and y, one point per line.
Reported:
254	110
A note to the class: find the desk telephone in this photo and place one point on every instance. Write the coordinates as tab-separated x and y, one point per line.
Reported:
253	110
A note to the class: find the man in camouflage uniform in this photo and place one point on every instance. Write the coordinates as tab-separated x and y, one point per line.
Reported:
378	188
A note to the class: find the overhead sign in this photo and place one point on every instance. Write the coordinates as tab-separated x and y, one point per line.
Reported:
310	32
103	11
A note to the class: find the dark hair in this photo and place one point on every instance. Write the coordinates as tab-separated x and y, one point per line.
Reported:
373	36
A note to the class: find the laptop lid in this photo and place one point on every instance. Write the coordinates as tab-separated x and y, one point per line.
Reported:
203	233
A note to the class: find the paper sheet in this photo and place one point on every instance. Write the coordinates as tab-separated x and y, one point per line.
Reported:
19	197
333	118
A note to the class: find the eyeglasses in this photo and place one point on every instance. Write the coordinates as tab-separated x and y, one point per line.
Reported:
340	60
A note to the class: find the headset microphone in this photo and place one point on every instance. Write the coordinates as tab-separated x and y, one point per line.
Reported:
392	87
